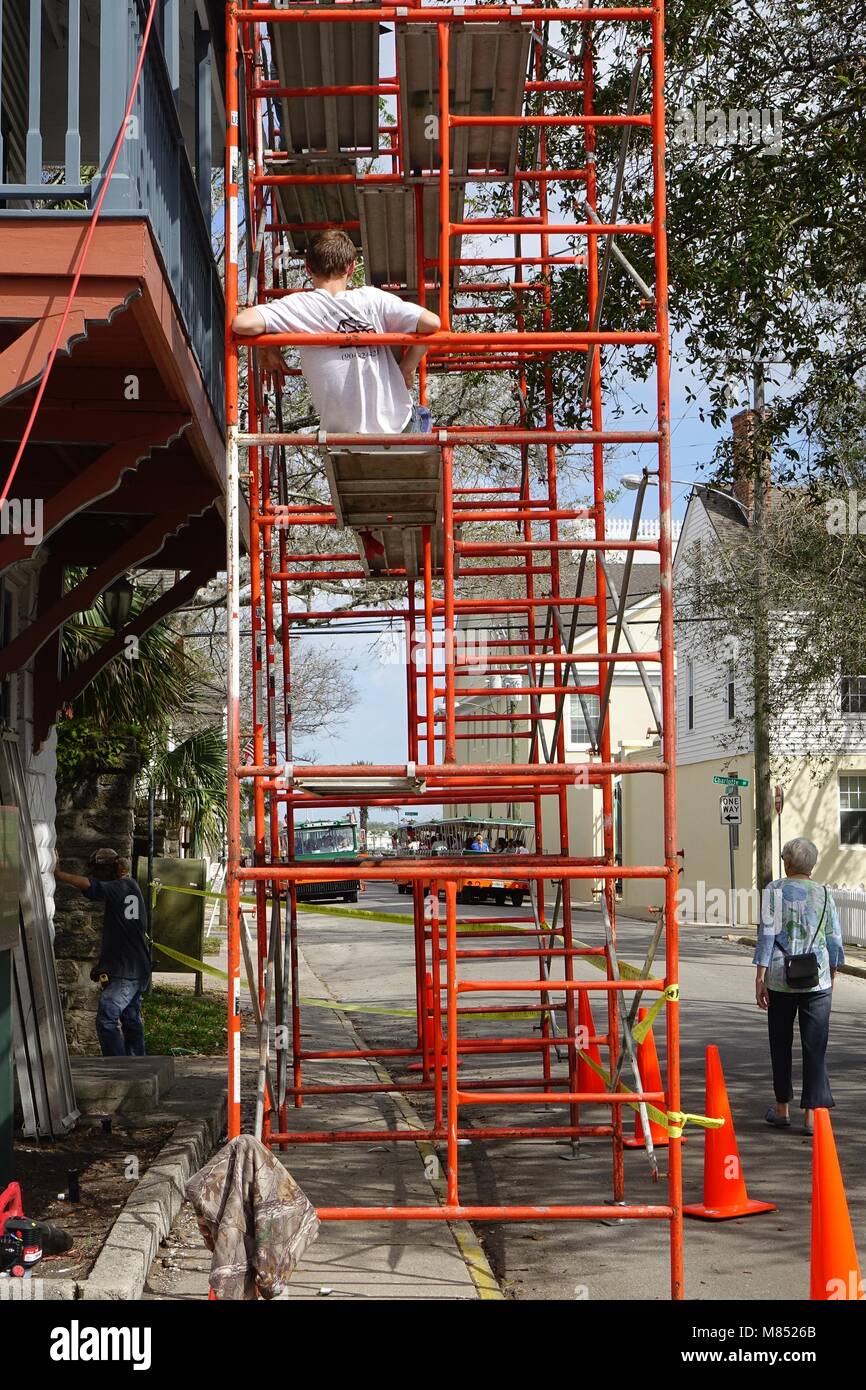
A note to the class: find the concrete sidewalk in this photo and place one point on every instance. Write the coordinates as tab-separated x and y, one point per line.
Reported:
350	1260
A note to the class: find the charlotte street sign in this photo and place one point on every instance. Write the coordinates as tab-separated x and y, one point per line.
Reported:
732	781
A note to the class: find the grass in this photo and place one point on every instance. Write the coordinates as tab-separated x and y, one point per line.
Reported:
177	1024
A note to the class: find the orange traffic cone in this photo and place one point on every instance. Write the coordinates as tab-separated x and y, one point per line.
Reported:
587	1079
651	1080
835	1266
724	1185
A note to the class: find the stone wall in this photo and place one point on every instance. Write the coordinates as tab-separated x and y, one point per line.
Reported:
98	813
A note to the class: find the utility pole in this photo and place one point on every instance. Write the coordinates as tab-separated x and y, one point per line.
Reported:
760	657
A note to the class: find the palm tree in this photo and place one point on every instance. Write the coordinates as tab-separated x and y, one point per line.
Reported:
149	687
147	694
190	779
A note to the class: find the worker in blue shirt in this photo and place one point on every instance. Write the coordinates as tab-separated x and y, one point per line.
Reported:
124	966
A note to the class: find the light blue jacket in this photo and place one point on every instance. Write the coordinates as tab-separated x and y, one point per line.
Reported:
791	910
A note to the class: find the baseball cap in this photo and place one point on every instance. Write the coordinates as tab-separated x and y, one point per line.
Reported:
104	856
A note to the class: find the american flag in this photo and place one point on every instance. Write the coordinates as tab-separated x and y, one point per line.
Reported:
249	752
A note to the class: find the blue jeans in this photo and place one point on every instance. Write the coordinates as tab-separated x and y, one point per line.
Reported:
119	1025
419	421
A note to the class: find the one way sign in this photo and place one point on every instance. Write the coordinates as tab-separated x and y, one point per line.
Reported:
730	810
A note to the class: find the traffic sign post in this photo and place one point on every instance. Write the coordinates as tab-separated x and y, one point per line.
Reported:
731	815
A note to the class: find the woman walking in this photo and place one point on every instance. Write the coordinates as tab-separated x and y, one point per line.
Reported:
798	952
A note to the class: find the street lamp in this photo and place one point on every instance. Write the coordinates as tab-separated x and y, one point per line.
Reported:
632	481
117	602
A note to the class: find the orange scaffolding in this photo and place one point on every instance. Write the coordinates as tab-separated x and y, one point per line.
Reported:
467	106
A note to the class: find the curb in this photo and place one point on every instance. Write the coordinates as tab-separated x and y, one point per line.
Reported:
122	1265
847	969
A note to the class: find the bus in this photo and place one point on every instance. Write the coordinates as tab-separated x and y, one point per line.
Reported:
327	842
454	839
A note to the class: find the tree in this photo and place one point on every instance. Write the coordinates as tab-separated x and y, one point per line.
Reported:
146	696
766	173
323	688
147	685
190	780
765	227
806	568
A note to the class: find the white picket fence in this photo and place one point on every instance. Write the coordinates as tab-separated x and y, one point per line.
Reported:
618	528
851	905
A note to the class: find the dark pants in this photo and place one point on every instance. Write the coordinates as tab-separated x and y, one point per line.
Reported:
119	1024
813	1008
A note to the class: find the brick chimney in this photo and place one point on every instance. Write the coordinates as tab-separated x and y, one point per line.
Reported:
743	485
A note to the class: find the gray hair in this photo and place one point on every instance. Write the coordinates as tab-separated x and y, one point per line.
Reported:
800	855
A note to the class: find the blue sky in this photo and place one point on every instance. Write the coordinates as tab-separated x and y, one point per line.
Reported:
375	729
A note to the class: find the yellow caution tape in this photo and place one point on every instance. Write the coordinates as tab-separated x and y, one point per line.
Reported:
678	1118
673	1120
642	1027
626	970
670	1120
200	966
359	1008
192	892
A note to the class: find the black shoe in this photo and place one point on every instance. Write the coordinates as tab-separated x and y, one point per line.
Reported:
777	1121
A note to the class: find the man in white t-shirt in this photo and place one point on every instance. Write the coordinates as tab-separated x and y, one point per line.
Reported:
355	389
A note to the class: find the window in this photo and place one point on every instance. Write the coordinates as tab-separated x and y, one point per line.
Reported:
852	809
731	696
581	732
690	692
853	694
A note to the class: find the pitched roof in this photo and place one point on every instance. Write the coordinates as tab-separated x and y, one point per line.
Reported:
727	516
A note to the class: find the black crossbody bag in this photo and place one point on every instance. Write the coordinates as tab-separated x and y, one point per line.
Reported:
801	972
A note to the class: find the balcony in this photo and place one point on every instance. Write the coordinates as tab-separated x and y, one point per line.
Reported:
126	456
67	68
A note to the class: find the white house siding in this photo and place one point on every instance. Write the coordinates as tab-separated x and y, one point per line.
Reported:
715	747
40	767
819	726
712	736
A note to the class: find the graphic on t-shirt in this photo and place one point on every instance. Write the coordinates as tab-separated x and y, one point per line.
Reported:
350	325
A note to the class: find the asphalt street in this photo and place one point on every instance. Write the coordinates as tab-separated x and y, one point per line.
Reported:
763	1257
